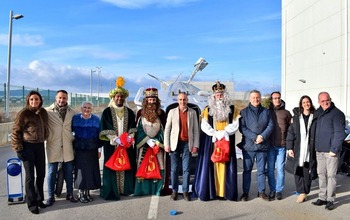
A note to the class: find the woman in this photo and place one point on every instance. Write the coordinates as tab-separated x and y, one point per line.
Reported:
301	152
29	132
86	127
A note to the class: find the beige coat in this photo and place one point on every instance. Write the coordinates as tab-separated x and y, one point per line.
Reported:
172	129
59	146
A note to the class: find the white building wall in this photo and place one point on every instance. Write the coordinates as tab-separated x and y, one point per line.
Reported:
315	51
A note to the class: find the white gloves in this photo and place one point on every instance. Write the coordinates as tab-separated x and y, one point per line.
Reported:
112	139
220	135
151	142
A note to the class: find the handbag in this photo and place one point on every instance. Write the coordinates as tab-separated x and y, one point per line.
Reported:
290	165
221	151
149	167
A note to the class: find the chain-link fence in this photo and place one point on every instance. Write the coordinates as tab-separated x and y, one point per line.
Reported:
18	95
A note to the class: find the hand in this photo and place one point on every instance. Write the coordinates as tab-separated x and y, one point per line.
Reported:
20	155
194	150
290	153
332	154
167	149
259	139
151	142
219	134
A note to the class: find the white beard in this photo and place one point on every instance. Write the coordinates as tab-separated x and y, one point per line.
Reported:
219	109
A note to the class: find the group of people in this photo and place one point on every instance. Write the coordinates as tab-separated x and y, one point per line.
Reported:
307	145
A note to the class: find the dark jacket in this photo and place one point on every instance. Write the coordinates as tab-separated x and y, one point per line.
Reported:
293	143
281	119
31	125
330	129
255	121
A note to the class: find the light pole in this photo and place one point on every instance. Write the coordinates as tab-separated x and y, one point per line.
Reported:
7	107
91	71
98	85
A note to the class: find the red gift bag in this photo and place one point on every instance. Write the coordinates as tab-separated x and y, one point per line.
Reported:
119	160
221	151
149	167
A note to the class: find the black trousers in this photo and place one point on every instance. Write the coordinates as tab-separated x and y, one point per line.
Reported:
34	164
303	179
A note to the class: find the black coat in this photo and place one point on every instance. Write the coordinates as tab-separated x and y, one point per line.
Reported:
293	143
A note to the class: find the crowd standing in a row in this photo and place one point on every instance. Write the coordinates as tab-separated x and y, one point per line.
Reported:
143	151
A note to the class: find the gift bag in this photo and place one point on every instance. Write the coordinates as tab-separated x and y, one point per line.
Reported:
221	151
119	160
149	167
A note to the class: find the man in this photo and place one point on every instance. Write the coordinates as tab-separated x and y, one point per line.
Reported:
115	120
256	126
276	156
329	136
59	146
150	133
181	137
217	179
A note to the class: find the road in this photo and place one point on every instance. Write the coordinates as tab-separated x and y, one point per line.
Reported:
153	207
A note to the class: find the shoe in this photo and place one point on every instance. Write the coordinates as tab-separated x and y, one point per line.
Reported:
329	205
244	197
186	196
42	205
173	196
50	202
279	195
71	198
35	211
263	196
88	197
272	195
319	202
82	197
301	198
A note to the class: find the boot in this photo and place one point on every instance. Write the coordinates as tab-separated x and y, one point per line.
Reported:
82	197
88	197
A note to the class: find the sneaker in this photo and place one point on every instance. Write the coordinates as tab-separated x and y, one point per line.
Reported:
244	197
319	202
279	195
329	205
173	196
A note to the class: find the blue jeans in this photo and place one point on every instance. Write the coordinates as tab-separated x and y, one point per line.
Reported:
68	177
248	163
182	148
276	157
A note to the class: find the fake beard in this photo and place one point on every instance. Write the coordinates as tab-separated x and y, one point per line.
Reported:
150	113
219	110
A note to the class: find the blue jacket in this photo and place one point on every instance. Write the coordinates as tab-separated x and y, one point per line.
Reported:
330	129
255	121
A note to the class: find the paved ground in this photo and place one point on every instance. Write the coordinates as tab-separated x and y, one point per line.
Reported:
153	207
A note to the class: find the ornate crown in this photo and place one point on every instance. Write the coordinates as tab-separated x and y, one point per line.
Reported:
151	93
218	87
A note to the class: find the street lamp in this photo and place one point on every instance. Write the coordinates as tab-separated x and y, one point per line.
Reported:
91	71
7	107
98	85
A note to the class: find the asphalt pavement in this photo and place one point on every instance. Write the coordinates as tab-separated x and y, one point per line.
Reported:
154	207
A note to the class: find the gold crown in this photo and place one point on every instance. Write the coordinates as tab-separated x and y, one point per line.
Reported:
150	92
218	87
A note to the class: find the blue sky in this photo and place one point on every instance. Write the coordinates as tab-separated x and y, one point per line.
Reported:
57	43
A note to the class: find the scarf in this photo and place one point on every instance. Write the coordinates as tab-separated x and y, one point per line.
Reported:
62	110
304	140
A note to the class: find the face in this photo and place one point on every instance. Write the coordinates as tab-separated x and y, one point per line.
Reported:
119	100
324	100
182	100
255	99
86	109
219	96
34	101
306	104
61	99
151	100
276	99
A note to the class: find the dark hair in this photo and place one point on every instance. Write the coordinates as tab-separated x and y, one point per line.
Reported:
275	92
33	92
63	91
301	109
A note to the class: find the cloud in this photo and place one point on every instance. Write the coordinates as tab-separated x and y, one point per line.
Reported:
25	40
136	4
